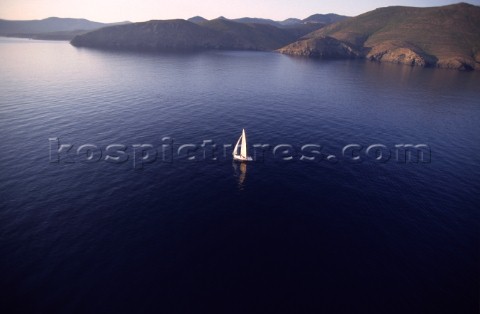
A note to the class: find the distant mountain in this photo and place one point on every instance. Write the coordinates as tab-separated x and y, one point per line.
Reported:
291	21
184	35
447	37
51	28
197	19
66	35
316	18
257	21
325	18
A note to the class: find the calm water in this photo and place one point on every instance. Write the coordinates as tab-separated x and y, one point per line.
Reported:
271	237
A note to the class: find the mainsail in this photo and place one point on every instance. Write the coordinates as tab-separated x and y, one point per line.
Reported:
243	149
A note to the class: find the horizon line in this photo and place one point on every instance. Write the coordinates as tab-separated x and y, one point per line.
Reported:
231	18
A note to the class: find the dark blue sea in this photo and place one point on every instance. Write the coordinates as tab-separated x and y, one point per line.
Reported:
173	233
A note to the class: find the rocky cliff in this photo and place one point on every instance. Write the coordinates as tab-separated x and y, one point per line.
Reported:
446	37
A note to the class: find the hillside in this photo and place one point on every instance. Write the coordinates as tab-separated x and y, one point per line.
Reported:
50	28
151	35
184	35
447	37
62	35
248	36
324	18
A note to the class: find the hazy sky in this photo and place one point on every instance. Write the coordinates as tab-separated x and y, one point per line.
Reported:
143	10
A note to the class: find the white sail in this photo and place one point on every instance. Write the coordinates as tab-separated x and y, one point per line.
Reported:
243	149
235	150
242	142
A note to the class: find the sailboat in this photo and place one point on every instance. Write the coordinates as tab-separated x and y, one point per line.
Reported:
242	142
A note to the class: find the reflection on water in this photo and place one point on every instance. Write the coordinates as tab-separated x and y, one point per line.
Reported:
240	171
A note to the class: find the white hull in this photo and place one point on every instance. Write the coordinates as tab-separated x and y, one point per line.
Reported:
241	158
